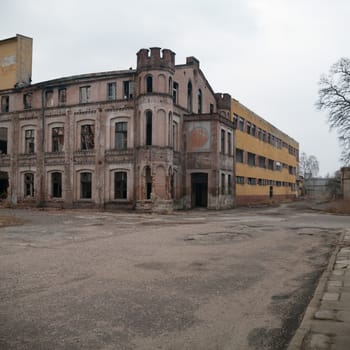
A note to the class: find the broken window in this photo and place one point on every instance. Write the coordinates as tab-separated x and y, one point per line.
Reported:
85	185
222	146
148	180
199	101
222	183
29	185
121	135
120	185
239	155
148	128
27	100
56	182
175	92
3	140
84	94
62	96
57	139
29	143
189	97
87	137
49	98
128	87
251	159
5	104
111	91
149	84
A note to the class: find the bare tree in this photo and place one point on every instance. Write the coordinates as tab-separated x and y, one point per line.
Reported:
334	97
308	165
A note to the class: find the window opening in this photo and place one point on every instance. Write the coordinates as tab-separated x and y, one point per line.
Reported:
57	139
29	141
84	94
62	96
222	183
149	84
222	147
148	180
5	104
27	100
3	140
148	128
111	91
199	101
85	185
120	185
239	155
56	179
189	97
175	92
128	87
28	185
121	135
87	137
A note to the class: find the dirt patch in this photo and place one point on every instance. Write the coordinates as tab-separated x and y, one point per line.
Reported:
10	221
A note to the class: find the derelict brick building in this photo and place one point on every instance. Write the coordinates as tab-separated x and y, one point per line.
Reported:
152	138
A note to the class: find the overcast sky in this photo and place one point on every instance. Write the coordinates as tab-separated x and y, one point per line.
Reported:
268	54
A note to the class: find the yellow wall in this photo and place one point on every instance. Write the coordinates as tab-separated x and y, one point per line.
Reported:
252	144
15	61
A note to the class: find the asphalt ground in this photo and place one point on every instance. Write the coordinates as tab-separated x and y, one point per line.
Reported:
236	279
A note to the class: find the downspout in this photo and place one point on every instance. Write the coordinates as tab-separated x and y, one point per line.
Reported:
42	177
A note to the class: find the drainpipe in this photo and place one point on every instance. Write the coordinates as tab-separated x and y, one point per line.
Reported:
42	177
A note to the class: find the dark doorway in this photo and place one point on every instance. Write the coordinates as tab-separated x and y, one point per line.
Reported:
271	191
199	184
4	184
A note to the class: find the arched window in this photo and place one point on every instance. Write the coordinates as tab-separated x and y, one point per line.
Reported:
189	96
170	86
148	128
148	182
56	183
87	135
199	101
149	84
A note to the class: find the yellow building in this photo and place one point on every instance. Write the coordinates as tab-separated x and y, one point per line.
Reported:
266	159
15	62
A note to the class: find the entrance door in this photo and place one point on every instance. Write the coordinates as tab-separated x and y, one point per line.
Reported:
199	184
4	184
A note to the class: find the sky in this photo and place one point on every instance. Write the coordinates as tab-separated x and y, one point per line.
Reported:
268	54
